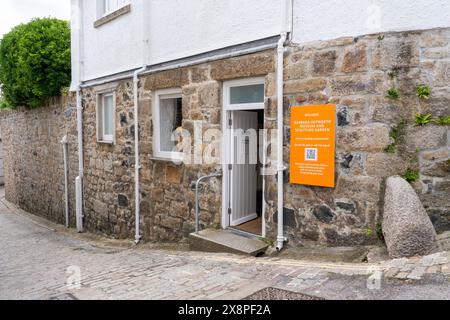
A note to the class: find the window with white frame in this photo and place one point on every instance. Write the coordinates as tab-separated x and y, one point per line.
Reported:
168	117
106	105
244	92
110	6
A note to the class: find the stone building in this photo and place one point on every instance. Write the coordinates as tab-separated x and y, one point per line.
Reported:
196	64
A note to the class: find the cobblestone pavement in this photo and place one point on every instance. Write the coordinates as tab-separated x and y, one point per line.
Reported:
39	261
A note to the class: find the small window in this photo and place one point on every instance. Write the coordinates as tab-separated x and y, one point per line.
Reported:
106	117
168	117
248	93
110	6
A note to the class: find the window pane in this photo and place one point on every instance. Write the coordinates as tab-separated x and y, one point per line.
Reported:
247	94
108	117
112	5
170	120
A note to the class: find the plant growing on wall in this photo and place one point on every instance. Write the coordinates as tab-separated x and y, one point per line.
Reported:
394	135
411	175
393	94
392	148
379	229
423	91
442	121
35	62
394	73
369	233
423	119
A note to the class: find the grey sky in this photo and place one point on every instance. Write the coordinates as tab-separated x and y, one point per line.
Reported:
14	12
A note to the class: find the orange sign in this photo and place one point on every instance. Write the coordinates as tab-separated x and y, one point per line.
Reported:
313	145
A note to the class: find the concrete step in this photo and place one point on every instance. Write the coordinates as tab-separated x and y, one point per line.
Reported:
227	241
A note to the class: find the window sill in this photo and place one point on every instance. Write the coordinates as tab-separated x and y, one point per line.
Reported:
105	142
173	161
112	16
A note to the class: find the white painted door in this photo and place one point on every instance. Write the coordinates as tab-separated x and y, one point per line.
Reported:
243	177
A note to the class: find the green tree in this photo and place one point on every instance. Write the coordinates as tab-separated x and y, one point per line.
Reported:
34	62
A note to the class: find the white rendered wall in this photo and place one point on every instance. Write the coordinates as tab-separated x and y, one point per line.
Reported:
175	29
330	19
180	28
75	43
114	47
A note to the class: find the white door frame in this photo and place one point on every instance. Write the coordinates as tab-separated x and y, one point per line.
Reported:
227	152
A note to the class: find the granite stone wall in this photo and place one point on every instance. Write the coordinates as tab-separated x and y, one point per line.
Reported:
33	157
377	137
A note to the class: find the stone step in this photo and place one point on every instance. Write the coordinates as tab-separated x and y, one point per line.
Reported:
226	241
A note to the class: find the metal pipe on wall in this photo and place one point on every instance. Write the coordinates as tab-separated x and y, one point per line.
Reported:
137	164
280	93
65	143
197	197
79	203
79	179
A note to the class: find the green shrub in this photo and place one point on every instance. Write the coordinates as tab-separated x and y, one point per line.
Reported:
35	62
3	103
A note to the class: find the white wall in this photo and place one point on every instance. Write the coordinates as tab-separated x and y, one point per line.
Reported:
330	19
179	28
115	46
173	29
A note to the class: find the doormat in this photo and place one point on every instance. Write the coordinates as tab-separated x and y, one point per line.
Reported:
278	294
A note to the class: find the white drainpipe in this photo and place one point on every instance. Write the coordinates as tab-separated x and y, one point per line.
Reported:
137	165
280	92
79	179
65	143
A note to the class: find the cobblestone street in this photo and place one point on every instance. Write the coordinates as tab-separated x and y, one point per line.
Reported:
37	259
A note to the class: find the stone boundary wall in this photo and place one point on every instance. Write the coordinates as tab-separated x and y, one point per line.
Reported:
377	136
34	167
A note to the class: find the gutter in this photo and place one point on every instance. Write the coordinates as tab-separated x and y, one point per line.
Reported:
281	239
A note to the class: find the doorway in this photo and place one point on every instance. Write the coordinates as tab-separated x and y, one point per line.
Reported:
246	179
243	189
